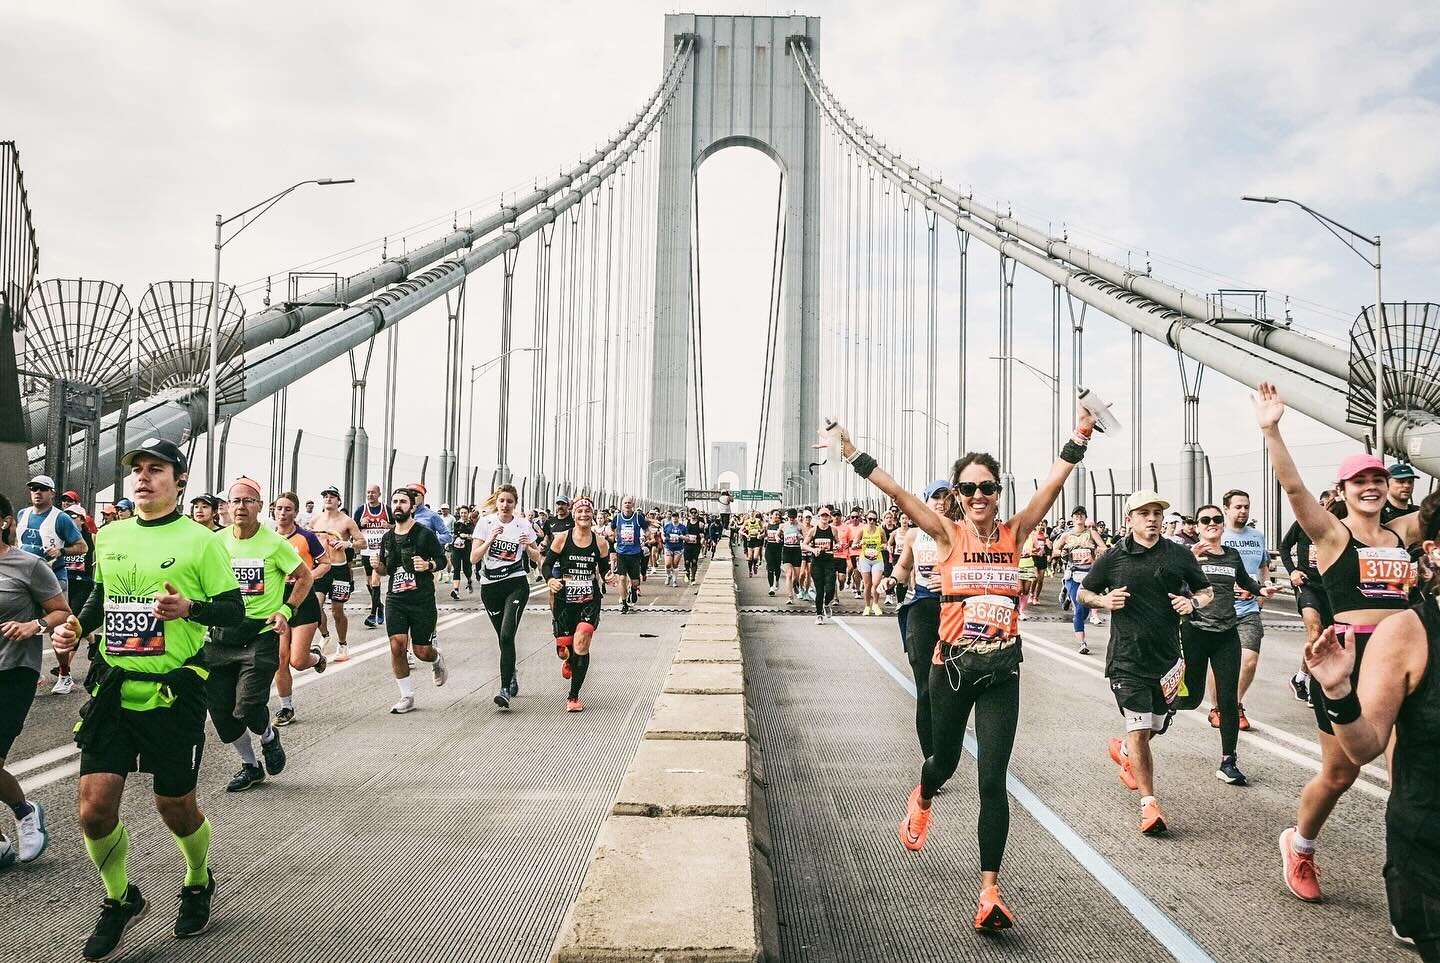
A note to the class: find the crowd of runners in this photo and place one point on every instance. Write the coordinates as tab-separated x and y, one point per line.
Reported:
193	607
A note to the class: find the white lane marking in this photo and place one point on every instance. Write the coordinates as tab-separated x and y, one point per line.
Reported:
1256	738
362	653
1166	932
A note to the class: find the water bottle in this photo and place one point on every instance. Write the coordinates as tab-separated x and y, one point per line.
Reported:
828	436
1105	420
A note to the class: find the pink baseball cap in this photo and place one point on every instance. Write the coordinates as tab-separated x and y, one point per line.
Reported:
1356	464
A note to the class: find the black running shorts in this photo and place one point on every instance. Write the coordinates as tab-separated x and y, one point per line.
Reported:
567	618
167	743
17	692
630	565
413	617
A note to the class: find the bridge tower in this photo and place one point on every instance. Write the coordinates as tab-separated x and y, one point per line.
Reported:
741	88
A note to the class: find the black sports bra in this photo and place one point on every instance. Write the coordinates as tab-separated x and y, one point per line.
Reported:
1370	577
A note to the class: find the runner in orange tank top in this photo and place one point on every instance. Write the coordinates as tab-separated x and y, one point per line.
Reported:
976	664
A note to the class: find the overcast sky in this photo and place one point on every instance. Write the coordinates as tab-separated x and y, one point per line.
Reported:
1136	126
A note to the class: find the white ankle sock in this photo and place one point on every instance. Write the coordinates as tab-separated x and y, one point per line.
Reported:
407	688
245	749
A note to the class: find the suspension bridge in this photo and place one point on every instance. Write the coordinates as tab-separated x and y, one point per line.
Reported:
740	794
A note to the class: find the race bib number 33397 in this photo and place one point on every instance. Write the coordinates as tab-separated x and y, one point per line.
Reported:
131	628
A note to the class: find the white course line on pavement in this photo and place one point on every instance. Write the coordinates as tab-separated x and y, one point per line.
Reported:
1166	932
363	652
1263	737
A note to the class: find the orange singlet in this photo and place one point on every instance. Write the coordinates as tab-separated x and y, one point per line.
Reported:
980	586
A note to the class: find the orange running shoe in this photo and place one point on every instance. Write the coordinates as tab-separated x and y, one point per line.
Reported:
1152	820
1244	722
916	824
1302	876
565	670
1126	775
992	914
574	705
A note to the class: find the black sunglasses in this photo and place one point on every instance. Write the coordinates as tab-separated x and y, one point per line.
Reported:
1211	519
985	487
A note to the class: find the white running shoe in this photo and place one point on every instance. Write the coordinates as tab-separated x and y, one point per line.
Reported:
410	657
1095	619
819	620
406	704
64	685
438	670
31	835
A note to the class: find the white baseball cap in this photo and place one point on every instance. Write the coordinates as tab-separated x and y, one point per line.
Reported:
43	481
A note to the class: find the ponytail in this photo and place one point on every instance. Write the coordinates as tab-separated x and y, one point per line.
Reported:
491	504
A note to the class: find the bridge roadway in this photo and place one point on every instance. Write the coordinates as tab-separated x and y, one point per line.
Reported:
458	832
835	723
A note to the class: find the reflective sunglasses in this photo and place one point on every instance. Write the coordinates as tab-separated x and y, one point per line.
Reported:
1211	519
871	518
985	487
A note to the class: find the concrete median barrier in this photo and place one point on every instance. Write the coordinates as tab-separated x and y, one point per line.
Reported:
680	870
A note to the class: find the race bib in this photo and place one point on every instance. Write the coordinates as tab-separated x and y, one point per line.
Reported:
1385	573
1082	557
1170	681
821	544
504	551
131	628
401	581
792	539
372	541
1314	558
627	535
340	591
250	573
872	553
988	618
75	563
579	588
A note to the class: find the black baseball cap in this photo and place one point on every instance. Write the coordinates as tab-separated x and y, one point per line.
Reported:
158	448
210	500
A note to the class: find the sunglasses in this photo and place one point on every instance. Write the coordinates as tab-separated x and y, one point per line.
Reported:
827	517
872	518
1211	519
985	488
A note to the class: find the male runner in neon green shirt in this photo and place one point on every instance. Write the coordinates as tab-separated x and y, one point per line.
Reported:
160	580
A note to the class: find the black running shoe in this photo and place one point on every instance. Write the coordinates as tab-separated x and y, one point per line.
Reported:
274	754
514	686
194	917
502	698
624	606
285	716
1301	688
455	593
247	776
372	621
320	661
116	918
1230	773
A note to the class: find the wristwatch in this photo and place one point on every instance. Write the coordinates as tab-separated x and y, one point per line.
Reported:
42	626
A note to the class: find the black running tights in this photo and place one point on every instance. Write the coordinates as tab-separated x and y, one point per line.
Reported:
504	602
1221	650
460	562
822	572
772	565
997	711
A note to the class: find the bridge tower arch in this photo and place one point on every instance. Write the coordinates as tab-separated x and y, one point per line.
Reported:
741	88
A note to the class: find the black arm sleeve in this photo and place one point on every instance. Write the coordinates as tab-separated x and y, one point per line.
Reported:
434	551
223	611
1288	544
1243	579
92	613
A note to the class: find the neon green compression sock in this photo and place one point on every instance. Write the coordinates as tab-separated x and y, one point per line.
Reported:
196	848
109	856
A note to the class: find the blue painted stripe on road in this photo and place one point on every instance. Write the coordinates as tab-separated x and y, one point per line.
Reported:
1166	932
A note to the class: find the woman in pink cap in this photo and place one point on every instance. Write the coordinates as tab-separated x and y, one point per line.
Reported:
1366	569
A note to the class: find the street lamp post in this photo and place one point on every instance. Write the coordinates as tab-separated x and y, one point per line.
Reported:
213	315
1381	331
476	370
930	453
555	422
1053	381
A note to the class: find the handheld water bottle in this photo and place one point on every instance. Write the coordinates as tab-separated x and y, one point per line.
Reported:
1105	420
829	441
